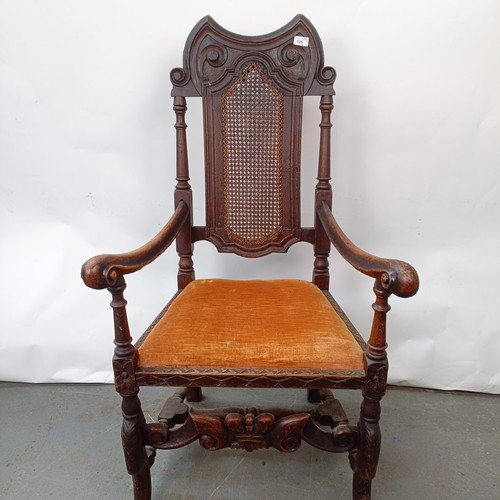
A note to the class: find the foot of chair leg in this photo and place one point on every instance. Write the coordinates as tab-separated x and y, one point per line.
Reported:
361	487
194	394
136	456
365	459
142	483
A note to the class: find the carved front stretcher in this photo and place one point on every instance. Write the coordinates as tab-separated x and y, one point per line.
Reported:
252	428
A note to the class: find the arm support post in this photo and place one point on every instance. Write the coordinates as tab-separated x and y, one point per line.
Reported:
323	194
184	243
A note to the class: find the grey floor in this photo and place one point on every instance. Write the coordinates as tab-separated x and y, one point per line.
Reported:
63	441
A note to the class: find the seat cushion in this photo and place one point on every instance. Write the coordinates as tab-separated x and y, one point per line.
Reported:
278	324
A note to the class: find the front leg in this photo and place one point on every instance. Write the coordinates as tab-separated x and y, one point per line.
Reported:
365	458
134	425
368	449
136	458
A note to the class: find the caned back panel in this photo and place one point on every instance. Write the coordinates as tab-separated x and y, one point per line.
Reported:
252	89
252	144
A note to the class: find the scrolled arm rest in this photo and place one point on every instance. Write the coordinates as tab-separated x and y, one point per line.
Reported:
103	271
395	276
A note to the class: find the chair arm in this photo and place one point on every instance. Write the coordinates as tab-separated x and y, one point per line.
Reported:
396	276
103	271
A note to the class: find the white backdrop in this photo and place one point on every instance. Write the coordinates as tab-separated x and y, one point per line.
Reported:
87	166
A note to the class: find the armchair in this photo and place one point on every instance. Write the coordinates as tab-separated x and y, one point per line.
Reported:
257	333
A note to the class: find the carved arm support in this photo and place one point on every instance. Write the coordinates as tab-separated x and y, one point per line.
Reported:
395	276
103	271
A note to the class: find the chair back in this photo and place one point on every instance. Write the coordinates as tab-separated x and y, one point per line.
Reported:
252	89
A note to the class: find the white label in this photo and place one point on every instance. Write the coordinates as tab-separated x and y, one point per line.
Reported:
303	41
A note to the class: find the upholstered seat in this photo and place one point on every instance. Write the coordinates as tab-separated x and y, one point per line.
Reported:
275	324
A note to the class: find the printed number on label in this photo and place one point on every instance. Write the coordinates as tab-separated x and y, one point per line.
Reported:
303	41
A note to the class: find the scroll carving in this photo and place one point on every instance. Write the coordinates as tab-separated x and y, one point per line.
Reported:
157	433
211	50
212	59
179	77
216	55
289	55
343	437
249	431
212	433
327	75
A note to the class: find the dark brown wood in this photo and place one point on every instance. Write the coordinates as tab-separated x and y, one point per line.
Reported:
125	357
331	411
250	430
365	458
134	446
214	61
183	194
313	396
174	411
194	394
216	378
323	194
252	90
210	50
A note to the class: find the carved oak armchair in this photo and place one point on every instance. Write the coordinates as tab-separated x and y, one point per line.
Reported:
229	333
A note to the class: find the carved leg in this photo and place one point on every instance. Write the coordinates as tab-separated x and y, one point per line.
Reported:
133	427
194	394
368	449
365	459
136	457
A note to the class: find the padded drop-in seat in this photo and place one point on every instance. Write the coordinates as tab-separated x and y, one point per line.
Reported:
276	324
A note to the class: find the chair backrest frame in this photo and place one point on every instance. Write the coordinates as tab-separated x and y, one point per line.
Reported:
254	85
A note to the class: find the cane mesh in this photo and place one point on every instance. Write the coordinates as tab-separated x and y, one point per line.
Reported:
252	123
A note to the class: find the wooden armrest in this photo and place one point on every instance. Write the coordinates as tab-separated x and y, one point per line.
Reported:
396	276
103	271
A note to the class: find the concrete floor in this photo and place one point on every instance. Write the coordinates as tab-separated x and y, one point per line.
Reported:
63	442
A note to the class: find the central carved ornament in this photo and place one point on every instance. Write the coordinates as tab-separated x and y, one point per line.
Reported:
249	430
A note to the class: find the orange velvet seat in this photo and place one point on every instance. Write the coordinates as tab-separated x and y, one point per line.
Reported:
276	324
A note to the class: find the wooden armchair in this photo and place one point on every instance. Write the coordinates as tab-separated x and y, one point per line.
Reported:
258	334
